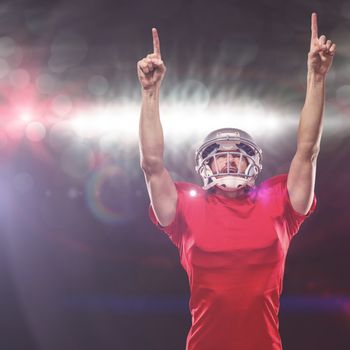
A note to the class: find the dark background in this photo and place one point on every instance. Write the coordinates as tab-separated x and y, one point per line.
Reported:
81	266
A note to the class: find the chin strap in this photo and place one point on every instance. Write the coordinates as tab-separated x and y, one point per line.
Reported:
232	183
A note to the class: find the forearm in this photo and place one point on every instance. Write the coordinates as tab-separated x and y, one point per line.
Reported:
310	126
302	172
151	132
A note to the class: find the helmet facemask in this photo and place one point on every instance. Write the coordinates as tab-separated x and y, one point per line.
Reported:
231	175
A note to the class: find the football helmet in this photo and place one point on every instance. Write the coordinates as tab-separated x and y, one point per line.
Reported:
231	144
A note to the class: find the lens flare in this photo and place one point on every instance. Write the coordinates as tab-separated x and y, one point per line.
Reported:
107	195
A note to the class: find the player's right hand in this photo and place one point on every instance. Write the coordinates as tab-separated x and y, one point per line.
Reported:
151	69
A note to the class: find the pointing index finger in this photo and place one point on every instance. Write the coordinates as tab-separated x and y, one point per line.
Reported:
156	43
314	29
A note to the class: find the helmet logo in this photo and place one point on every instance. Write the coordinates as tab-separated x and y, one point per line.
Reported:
229	134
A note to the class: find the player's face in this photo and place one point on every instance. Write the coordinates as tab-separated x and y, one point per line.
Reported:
233	161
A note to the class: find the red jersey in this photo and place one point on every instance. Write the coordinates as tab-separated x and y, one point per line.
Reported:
234	252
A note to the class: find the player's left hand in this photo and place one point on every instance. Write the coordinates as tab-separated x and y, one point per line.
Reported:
322	51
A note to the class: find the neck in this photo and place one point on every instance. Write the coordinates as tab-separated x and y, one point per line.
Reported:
241	192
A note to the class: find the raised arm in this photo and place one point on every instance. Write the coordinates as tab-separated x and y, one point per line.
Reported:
302	172
160	186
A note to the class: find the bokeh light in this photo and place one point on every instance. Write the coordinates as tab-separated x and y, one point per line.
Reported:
16	59
62	105
98	85
46	83
19	78
15	129
4	68
61	135
73	193
35	131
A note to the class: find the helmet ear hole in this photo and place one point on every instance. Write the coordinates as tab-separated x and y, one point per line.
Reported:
251	170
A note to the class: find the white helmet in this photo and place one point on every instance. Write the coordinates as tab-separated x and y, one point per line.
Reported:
228	142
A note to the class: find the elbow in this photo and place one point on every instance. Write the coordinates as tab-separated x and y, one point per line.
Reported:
308	151
151	165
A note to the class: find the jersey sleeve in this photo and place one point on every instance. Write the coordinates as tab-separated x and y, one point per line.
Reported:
289	217
177	227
